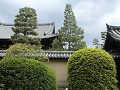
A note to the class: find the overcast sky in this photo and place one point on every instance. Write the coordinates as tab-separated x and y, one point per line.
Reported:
91	15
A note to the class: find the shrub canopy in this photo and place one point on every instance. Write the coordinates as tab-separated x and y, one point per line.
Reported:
26	50
91	69
26	74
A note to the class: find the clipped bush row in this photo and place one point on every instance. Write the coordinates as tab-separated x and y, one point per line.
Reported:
91	69
26	74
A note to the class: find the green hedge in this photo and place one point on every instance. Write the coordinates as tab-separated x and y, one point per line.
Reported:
91	69
26	74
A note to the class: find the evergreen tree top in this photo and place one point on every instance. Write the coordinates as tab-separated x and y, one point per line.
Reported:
70	35
25	24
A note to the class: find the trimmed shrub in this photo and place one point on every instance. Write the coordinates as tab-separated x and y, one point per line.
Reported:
91	69
26	50
26	74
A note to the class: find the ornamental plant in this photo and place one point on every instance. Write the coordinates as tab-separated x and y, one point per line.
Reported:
91	69
26	74
20	50
24	27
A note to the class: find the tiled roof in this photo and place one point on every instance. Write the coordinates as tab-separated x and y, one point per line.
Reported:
45	30
112	41
58	54
51	54
114	32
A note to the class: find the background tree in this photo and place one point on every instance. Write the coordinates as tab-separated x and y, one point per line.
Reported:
25	23
96	42
70	34
57	45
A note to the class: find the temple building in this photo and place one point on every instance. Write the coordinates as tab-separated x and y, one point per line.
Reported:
46	32
112	45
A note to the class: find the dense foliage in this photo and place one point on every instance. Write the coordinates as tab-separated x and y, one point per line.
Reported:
26	50
57	44
91	69
96	43
70	35
26	74
25	23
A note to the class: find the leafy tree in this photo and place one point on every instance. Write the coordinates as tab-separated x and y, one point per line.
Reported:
57	45
25	23
96	42
70	34
1	86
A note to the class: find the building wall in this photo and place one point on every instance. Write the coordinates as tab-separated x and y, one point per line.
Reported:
60	68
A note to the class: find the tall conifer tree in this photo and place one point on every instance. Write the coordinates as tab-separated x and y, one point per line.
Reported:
25	23
96	43
70	34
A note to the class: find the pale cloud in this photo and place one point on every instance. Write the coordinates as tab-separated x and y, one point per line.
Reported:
112	18
93	15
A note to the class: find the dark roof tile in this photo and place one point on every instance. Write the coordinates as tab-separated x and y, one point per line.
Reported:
45	30
50	54
114	32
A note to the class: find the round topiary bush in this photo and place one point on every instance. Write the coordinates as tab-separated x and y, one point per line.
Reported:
91	69
26	74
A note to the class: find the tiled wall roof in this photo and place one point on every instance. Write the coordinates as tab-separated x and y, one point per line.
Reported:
50	54
58	54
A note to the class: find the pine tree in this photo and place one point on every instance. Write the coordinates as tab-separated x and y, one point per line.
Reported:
71	35
57	45
25	23
96	43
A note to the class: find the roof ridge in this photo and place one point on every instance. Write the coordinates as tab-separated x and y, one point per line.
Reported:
114	31
59	51
50	54
111	26
52	23
48	29
39	24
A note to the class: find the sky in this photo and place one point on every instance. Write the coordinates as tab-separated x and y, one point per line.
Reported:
91	15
